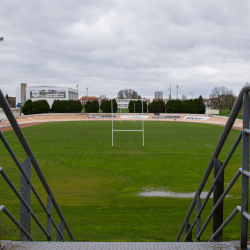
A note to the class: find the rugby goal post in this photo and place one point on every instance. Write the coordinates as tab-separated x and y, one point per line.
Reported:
122	130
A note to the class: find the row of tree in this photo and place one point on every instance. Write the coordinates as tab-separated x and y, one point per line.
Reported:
192	106
66	106
36	107
106	106
157	106
136	107
92	107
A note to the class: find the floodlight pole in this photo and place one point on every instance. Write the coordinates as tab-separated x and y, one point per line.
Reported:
177	91
134	112
87	93
142	125
1	39
170	92
112	119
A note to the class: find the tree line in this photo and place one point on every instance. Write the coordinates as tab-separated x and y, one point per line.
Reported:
36	107
66	106
192	106
59	106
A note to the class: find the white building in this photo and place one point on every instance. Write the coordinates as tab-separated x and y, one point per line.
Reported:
123	103
47	93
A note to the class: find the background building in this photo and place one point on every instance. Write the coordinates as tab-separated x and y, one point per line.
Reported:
123	103
84	99
47	93
158	95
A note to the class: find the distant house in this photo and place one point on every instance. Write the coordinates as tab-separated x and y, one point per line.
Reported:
208	103
84	99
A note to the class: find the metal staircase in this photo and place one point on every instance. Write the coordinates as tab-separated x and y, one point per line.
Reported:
217	187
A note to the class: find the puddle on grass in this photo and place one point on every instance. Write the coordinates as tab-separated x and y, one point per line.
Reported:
160	193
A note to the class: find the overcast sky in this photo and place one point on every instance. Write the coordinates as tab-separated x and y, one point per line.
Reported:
109	45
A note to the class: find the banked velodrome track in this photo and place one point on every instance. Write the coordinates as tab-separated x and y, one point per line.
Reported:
30	120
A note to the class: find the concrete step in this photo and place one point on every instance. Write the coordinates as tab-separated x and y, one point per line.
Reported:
14	245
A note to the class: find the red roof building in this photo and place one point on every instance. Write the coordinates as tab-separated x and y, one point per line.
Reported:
84	99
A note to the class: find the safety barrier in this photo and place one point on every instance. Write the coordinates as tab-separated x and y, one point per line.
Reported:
217	187
26	186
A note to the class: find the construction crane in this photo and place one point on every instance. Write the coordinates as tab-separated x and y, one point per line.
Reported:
1	39
191	94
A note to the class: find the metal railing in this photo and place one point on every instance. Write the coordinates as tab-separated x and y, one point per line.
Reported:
217	187
26	187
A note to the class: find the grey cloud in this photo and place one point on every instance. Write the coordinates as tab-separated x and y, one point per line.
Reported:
112	45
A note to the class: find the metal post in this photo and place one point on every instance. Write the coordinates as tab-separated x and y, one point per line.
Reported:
49	217
217	192
60	227
142	126
112	120
187	227
25	192
134	112
198	220
245	166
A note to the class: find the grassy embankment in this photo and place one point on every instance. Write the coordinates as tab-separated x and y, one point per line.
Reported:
97	186
226	112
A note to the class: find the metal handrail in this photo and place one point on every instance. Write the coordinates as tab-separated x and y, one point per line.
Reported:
236	108
8	213
27	149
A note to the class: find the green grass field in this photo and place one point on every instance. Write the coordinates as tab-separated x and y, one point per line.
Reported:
97	186
226	112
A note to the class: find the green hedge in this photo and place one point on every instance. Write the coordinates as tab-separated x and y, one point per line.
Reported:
92	107
36	107
106	106
138	106
66	106
193	106
156	107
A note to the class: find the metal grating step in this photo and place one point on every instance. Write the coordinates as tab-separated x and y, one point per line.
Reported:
16	245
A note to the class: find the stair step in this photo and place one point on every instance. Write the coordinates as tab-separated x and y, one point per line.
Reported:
16	245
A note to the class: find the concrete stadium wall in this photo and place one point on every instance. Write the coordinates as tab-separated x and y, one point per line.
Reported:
16	112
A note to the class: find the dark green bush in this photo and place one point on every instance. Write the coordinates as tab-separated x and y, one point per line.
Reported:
138	106
106	106
66	106
156	107
194	106
92	107
36	107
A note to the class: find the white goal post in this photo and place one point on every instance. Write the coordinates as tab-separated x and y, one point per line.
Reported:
115	130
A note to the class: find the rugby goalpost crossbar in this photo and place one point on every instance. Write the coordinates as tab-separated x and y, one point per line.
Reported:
116	130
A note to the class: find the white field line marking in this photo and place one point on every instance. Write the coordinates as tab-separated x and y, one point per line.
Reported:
192	137
209	146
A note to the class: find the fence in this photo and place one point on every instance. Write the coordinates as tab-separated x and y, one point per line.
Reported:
26	187
217	187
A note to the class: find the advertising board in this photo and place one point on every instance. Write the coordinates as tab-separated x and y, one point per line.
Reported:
47	93
200	118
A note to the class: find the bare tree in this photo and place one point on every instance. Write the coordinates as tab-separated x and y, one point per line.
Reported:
230	99
128	94
217	97
222	97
